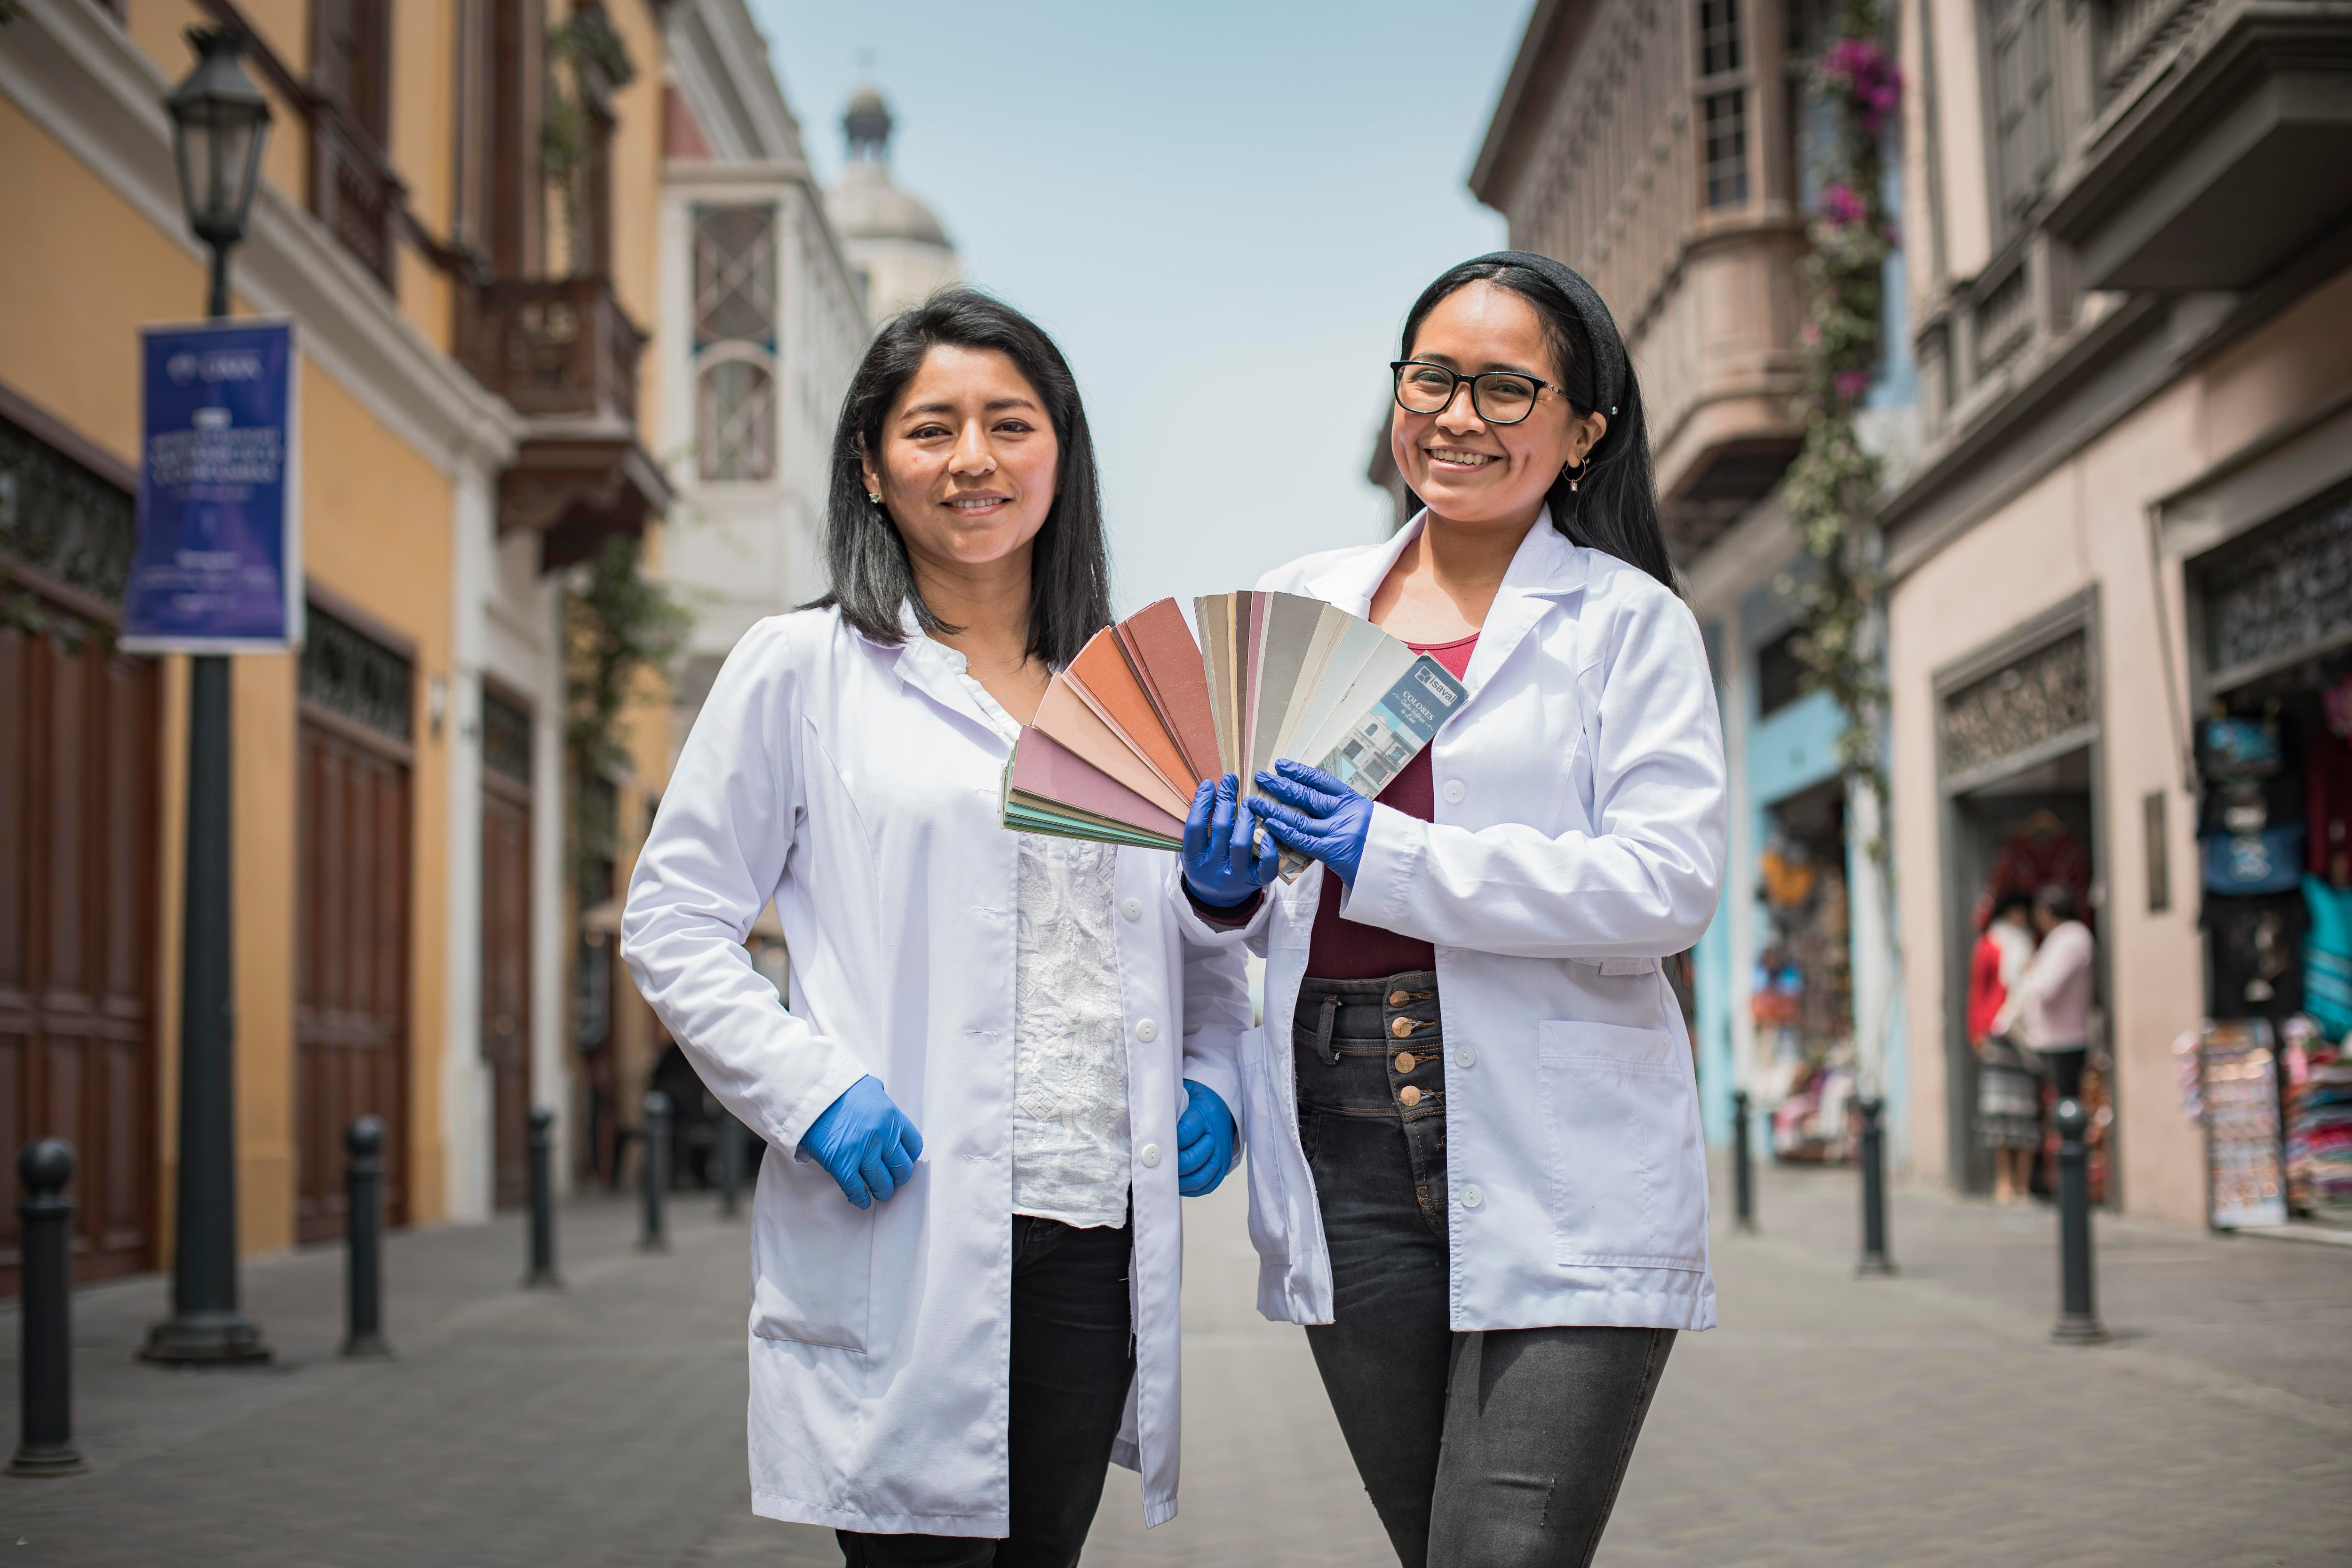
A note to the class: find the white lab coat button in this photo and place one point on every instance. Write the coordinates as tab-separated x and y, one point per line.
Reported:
1465	1055
1132	909
1454	791
1147	1031
1151	1153
1472	1197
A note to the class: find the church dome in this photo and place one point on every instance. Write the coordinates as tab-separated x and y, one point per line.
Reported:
866	203
863	203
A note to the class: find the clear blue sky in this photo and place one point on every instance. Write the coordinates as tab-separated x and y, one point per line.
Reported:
1219	211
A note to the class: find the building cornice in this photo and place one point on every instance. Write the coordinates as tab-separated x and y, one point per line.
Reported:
71	67
1554	29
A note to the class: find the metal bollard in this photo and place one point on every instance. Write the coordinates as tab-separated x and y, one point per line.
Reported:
46	1446
1875	1261
2078	1318
1743	1174
656	1236
731	1163
363	1230
542	1275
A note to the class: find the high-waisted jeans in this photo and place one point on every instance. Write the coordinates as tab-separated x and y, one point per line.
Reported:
1493	1449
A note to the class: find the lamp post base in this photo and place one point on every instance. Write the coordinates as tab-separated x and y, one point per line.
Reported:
42	1461
206	1339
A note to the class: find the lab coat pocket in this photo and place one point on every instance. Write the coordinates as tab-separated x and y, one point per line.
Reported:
812	1260
1622	1120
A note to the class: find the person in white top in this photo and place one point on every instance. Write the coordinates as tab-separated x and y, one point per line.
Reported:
2050	1006
1479	1175
1002	1060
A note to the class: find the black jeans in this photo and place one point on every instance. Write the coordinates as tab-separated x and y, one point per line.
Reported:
1479	1450
1072	1357
2065	1065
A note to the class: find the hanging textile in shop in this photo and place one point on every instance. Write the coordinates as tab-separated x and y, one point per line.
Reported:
2040	852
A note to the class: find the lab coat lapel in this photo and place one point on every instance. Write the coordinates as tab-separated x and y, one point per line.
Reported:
930	668
1546	567
1351	583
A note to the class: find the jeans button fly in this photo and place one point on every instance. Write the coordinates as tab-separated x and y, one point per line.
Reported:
1400	1027
1405	1062
1409	1097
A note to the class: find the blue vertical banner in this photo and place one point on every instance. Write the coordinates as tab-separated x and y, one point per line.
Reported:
218	567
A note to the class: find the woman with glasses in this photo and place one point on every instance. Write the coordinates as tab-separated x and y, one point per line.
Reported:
1475	1162
1002	1061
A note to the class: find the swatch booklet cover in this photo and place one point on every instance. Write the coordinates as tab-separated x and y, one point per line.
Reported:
1145	713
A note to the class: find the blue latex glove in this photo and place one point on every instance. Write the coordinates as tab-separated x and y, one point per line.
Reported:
866	1143
1223	864
1204	1140
1316	814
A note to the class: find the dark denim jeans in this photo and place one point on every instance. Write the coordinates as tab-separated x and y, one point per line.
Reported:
1072	1357
1480	1450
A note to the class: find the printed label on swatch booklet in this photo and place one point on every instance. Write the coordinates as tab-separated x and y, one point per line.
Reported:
1389	736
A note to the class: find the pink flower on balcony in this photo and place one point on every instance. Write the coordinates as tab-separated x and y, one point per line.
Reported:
1852	383
1871	82
1842	205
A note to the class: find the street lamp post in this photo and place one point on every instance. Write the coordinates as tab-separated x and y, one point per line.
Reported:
218	122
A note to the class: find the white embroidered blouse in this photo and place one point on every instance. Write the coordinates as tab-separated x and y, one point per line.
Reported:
1069	1035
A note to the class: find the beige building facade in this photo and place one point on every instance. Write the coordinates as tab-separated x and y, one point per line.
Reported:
479	416
2129	270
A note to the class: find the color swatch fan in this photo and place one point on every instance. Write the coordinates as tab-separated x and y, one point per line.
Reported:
1144	713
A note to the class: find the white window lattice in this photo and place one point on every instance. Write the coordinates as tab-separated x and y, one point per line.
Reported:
735	316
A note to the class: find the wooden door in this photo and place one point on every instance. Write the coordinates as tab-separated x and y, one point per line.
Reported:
78	783
506	942
350	1014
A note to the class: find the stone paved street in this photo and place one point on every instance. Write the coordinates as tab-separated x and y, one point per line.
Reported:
1920	1420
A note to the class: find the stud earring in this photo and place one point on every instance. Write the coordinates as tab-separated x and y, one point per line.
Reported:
874	495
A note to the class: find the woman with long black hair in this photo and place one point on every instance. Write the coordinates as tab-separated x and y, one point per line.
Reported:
1472	1122
1002	1061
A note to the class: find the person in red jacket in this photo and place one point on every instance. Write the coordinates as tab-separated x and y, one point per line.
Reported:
2008	1097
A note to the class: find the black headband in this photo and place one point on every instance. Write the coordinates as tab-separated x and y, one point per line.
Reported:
1610	372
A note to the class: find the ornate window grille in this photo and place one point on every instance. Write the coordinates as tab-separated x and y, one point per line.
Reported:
735	316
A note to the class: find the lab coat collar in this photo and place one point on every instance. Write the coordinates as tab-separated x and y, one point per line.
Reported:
1546	566
938	671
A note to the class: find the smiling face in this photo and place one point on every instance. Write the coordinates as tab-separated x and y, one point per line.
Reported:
1464	468
967	461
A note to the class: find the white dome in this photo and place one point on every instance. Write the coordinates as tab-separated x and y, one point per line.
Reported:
867	205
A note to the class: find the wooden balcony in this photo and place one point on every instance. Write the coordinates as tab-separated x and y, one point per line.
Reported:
563	352
2222	147
1721	367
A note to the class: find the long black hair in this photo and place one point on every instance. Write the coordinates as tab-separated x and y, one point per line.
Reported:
1614	507
1069	573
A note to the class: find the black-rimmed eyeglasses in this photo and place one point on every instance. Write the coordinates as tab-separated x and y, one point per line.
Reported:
1500	396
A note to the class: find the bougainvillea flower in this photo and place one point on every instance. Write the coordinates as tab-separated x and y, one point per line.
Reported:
1842	204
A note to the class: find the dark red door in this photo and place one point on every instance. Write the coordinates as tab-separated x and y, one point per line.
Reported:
506	980
351	1016
78	893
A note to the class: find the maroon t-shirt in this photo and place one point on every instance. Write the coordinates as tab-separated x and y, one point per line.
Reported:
1342	950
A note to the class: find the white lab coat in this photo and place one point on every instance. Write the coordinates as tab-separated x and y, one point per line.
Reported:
856	784
1578	839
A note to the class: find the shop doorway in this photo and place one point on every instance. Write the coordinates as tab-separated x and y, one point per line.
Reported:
1802	998
2017	835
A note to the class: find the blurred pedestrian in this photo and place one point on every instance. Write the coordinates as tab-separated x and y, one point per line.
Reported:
2050	1006
963	1280
2009	1091
1477	1171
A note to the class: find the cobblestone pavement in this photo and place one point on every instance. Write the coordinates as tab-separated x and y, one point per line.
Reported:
1924	1419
